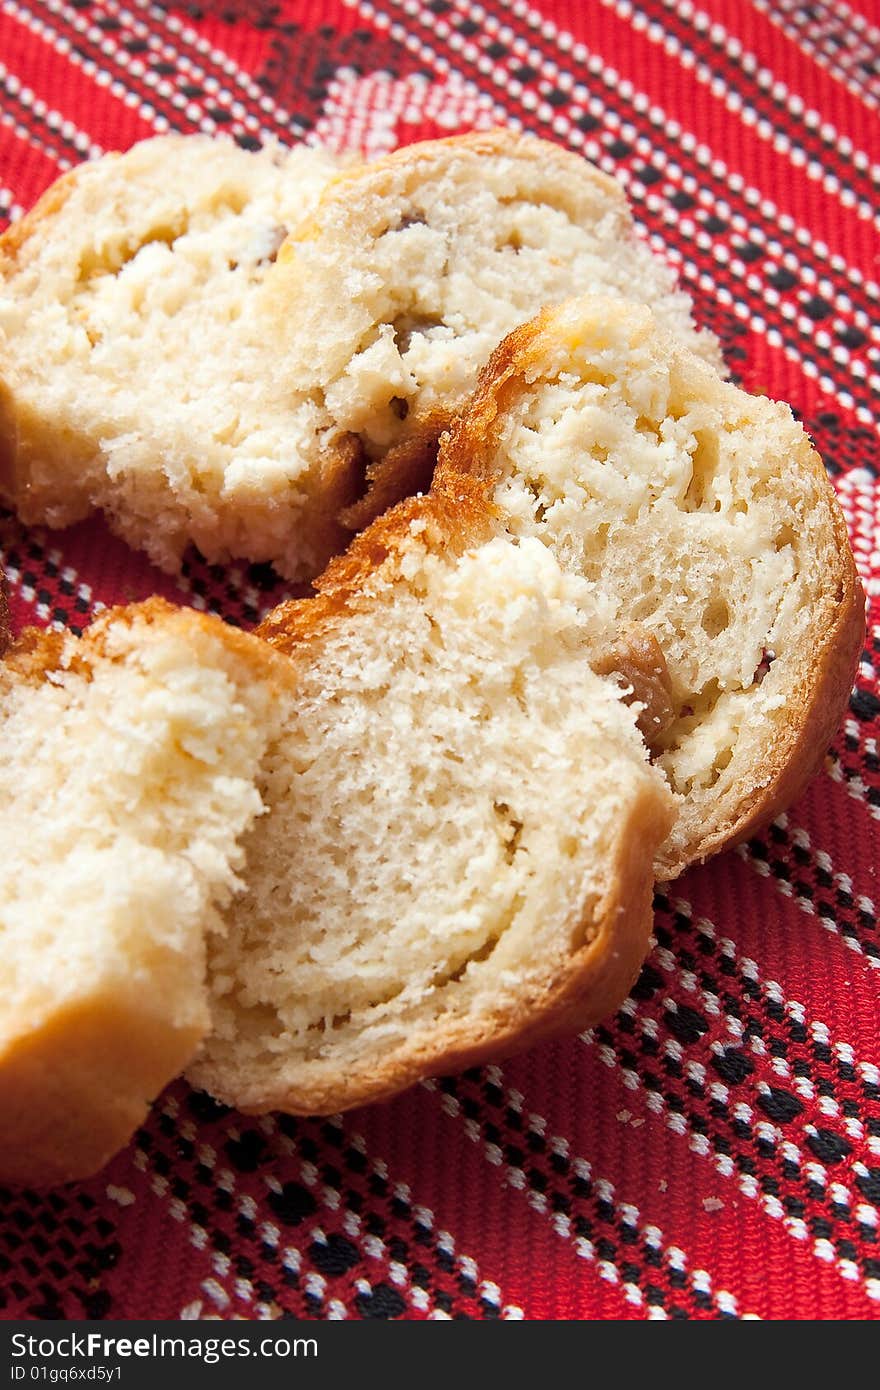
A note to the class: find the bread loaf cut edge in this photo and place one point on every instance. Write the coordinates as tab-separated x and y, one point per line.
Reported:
817	709
816	706
408	465
612	946
33	440
594	983
17	453
95	1068
96	1065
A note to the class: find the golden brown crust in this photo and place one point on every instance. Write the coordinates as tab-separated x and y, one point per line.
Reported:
453	521
606	956
76	1084
76	1080
406	469
813	710
466	450
37	652
606	952
33	655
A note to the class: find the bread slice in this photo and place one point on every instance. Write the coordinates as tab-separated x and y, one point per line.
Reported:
699	512
411	270
457	855
127	777
134	375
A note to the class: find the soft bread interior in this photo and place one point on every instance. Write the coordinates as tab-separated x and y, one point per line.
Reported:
127	778
135	376
412	270
696	511
442	848
157	363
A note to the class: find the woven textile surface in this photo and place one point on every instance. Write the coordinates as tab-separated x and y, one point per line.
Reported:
713	1151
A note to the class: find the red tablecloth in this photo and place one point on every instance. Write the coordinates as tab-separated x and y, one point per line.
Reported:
714	1150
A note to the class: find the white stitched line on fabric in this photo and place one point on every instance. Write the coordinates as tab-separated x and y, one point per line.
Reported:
218	1292
221	96
822	858
746	966
736	103
804	38
167	88
28	594
722	254
375	1247
641	103
807	329
748	1186
62	45
854	785
759	325
27	136
291	1256
625	1212
803	1086
52	120
444	1240
11	210
698	1142
805	904
227	65
768	81
233	577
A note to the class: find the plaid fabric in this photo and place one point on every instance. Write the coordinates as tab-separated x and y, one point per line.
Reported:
713	1151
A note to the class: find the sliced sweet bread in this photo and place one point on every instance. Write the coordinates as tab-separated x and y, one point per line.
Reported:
127	778
134	376
411	270
697	511
456	859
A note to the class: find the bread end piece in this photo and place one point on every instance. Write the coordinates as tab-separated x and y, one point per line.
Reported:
128	761
699	511
596	979
382	938
816	711
73	1090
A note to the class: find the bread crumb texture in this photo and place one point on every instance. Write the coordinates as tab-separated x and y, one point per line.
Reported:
697	512
223	347
411	271
441	851
127	778
135	376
